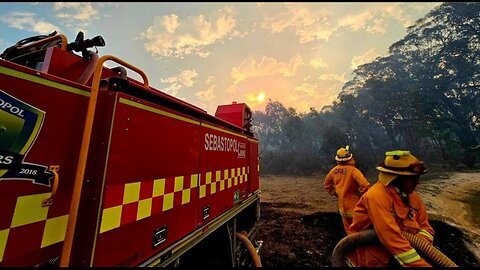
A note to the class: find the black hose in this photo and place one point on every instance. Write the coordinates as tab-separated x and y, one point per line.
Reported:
354	240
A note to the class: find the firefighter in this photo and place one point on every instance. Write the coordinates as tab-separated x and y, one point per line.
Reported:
390	206
347	183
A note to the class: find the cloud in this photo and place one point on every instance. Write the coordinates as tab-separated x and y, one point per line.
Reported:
170	22
302	95
364	58
308	95
232	89
27	21
207	95
367	20
375	18
307	88
75	14
307	24
170	36
312	25
318	63
186	78
266	67
333	77
210	80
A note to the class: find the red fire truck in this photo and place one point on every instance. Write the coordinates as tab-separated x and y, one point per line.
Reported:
100	169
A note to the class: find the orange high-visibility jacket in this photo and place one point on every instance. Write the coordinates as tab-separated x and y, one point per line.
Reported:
382	208
348	183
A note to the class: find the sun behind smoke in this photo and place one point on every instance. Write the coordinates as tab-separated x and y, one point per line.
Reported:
261	97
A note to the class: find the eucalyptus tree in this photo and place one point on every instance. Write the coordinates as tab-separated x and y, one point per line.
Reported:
442	52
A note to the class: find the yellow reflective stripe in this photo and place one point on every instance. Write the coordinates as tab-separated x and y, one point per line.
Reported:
397	153
131	193
213	188
208	177
345	214
35	79
224	130
111	218
178	184
193	180
157	111
54	231
202	191
178	117
3	242
144	208
158	187
349	262
28	209
185	196
222	185
237	176
426	233
168	201
218	178
407	256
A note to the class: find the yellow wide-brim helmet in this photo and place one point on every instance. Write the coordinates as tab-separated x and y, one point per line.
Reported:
343	154
399	162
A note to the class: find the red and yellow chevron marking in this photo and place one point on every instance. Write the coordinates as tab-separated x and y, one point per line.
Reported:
127	203
208	186
32	226
131	202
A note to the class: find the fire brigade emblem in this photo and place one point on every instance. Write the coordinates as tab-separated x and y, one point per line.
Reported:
20	124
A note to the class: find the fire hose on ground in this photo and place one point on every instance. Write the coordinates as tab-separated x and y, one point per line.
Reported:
251	249
370	236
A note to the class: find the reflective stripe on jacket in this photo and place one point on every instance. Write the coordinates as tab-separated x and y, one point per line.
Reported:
348	183
382	208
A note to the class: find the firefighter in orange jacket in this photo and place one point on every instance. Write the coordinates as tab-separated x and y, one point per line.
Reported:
391	206
347	183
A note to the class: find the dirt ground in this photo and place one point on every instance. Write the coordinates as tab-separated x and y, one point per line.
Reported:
300	226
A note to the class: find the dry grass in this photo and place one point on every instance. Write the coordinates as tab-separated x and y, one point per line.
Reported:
307	192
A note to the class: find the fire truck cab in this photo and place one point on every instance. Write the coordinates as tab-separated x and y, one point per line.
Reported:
100	169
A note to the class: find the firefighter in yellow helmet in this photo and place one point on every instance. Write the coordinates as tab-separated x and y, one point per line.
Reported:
347	183
389	207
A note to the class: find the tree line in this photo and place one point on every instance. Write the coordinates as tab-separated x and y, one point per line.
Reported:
423	97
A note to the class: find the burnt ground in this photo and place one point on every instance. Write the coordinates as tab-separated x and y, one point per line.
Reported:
291	239
294	234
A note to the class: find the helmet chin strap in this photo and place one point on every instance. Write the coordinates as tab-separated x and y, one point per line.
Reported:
404	197
401	191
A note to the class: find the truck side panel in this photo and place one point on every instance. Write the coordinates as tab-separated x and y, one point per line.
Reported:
47	132
254	165
151	184
224	171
